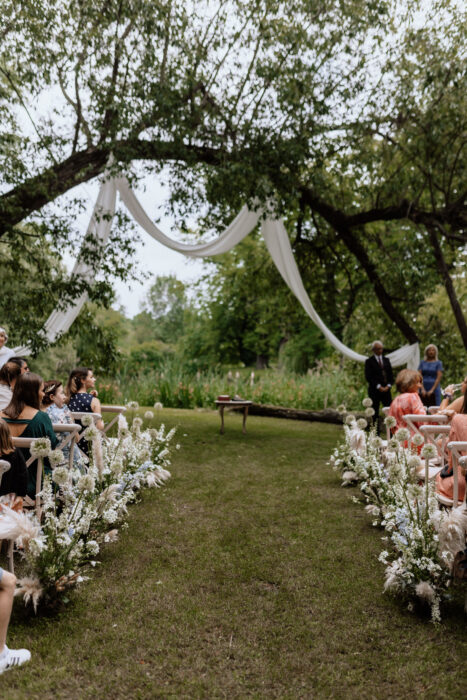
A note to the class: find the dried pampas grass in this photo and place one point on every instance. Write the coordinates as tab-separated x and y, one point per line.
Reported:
452	531
30	589
21	527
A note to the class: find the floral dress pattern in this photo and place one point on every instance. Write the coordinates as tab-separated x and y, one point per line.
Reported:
63	416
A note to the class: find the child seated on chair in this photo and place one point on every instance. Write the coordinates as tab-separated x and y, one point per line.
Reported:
54	403
15	480
9	658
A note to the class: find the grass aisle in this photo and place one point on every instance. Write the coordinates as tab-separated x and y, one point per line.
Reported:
251	574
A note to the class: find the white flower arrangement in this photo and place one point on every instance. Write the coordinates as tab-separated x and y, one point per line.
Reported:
149	415
417	439
60	475
56	457
402	435
350	419
390	422
367	402
86	483
41	448
158	406
424	540
361	423
429	451
132	405
341	408
86	421
91	433
85	511
369	412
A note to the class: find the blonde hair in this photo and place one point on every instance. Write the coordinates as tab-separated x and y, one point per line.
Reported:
431	345
406	379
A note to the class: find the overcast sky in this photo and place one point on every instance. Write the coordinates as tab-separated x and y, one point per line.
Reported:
151	256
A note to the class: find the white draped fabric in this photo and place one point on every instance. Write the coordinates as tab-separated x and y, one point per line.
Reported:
275	237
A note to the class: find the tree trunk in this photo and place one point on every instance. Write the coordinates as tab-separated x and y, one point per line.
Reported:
448	283
261	362
328	415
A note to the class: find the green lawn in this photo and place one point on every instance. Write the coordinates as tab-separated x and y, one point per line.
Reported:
251	574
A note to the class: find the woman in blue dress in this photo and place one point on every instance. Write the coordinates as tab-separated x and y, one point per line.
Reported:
432	371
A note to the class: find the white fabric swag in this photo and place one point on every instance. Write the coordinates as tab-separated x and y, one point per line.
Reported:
273	232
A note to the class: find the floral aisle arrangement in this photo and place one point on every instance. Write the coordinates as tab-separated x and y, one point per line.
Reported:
80	511
421	539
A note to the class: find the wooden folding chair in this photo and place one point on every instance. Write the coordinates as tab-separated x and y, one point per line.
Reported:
70	433
385	411
414	420
437	435
26	443
112	409
4	467
78	416
458	451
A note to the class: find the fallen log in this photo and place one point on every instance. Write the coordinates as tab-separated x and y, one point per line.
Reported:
327	415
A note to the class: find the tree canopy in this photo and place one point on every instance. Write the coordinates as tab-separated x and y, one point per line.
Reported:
348	114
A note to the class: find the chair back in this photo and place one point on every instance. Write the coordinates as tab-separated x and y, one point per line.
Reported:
385	410
414	420
4	467
458	451
437	435
79	415
70	435
25	442
112	409
433	409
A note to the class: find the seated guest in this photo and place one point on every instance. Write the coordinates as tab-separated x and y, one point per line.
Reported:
5	353
408	383
82	397
25	419
21	362
9	658
15	480
445	478
54	404
9	373
449	406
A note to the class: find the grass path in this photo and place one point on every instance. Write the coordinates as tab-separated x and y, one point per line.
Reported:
251	574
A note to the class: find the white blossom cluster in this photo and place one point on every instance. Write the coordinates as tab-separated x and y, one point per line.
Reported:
82	510
424	540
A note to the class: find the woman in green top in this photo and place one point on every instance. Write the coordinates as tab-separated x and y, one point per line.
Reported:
25	419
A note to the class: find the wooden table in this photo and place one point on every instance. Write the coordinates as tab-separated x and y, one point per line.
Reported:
222	404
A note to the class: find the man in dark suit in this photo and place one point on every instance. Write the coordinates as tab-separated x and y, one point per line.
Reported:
378	373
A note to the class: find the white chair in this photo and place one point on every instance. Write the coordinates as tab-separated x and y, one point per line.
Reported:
437	435
385	411
27	443
414	420
458	450
71	432
78	416
112	409
4	467
433	409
